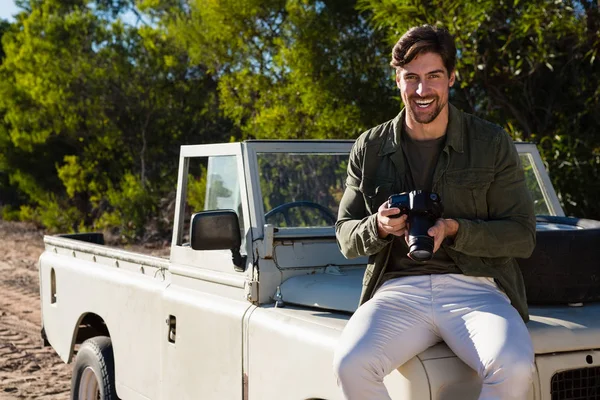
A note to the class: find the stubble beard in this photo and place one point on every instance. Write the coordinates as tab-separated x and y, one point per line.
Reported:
417	115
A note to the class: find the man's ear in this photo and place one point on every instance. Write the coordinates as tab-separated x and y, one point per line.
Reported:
452	78
398	77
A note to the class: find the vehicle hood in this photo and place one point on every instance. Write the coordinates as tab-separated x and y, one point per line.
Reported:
552	328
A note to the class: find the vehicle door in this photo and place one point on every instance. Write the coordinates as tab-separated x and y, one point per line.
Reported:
204	305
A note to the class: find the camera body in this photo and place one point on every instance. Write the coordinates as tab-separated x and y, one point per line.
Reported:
423	209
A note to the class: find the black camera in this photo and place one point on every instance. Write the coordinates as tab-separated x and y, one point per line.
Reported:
423	209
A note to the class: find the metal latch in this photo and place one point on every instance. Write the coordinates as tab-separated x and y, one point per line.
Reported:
269	232
251	291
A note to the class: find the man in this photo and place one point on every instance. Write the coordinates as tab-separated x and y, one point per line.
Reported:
471	293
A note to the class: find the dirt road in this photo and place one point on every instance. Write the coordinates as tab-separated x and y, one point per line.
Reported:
27	370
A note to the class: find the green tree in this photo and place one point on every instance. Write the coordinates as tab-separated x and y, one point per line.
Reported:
96	110
290	68
531	66
9	196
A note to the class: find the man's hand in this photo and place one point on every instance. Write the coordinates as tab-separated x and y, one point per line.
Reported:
390	226
442	229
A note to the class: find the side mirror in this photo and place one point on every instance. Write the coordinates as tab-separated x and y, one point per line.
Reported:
215	230
218	230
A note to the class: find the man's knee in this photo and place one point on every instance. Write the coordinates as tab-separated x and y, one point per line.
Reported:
511	373
357	363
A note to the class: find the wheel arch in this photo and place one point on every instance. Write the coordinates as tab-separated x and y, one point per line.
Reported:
89	325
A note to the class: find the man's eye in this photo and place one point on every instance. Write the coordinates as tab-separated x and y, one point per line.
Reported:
410	78
434	76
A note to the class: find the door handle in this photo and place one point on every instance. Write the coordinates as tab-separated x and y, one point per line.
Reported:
172	331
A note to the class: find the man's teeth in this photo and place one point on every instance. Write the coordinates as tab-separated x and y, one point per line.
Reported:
423	103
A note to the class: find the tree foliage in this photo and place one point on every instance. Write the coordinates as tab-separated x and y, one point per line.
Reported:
291	68
95	111
531	66
97	96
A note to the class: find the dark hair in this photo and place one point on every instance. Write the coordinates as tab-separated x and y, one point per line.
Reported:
425	39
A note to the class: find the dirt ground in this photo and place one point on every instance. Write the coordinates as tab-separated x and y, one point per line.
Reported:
27	370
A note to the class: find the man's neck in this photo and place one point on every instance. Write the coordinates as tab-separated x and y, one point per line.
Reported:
433	130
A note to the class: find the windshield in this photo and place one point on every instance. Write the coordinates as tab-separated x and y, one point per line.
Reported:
301	189
304	190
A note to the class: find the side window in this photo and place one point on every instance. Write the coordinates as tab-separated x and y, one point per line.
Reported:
533	184
213	184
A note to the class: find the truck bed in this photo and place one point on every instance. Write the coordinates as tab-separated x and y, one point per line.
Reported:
91	250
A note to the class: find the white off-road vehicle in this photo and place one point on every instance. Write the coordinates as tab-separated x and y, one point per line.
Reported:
253	298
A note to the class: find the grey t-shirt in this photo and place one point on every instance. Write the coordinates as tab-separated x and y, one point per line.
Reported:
421	157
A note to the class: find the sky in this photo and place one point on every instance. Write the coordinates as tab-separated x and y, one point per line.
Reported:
7	9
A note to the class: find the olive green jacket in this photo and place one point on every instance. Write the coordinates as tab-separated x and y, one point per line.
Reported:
482	186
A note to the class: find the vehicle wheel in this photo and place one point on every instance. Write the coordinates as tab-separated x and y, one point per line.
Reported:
94	371
565	265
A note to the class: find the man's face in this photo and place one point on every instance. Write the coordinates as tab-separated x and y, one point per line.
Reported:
424	84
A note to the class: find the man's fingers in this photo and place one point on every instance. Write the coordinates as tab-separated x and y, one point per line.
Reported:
397	230
390	222
433	231
438	233
386	212
394	225
436	244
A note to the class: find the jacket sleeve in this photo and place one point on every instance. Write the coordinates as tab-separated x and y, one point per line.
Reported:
510	230
355	229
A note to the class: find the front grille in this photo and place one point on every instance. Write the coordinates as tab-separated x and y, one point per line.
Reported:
576	384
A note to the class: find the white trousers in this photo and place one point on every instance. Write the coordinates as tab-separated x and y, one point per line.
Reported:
409	314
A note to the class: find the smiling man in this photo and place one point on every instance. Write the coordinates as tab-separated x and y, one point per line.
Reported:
470	292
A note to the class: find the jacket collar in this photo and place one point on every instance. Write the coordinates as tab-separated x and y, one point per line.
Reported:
454	132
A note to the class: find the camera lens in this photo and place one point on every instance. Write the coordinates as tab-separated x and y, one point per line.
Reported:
420	248
421	255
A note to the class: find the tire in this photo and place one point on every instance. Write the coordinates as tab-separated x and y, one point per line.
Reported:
94	371
565	264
